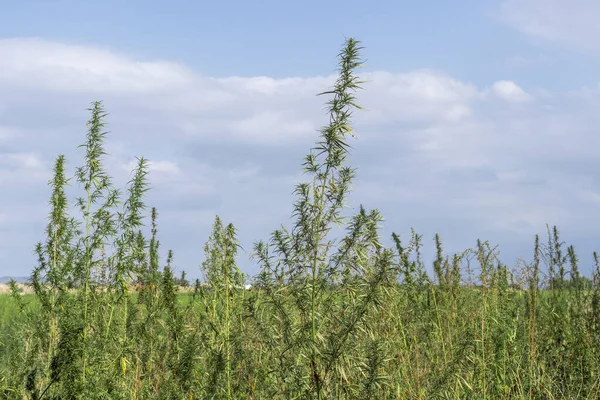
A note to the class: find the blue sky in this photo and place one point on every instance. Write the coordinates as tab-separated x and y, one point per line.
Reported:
466	39
481	116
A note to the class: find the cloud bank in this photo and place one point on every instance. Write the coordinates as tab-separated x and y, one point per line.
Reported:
572	23
496	162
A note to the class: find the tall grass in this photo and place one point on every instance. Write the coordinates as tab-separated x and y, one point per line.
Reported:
328	316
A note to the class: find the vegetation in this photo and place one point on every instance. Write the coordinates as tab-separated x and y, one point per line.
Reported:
327	317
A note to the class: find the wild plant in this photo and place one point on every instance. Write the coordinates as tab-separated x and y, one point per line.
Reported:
224	281
320	289
332	313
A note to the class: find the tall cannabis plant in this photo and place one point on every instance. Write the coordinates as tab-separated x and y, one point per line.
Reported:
223	279
320	288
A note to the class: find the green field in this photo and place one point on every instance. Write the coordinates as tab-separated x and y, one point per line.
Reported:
326	318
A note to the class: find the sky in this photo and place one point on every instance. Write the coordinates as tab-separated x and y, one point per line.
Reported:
480	117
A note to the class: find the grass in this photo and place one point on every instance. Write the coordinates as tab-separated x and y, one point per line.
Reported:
327	317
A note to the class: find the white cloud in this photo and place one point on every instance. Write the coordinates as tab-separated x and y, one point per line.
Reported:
416	96
164	167
431	149
17	160
82	69
568	22
262	125
263	108
5	133
22	169
509	91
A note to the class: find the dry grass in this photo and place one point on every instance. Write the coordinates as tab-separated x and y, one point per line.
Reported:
5	289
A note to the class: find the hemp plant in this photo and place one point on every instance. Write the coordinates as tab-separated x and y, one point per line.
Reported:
53	276
223	279
320	288
76	332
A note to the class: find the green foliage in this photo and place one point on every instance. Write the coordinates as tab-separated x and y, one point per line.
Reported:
327	317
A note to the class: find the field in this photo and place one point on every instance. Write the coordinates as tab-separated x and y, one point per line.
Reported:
326	318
